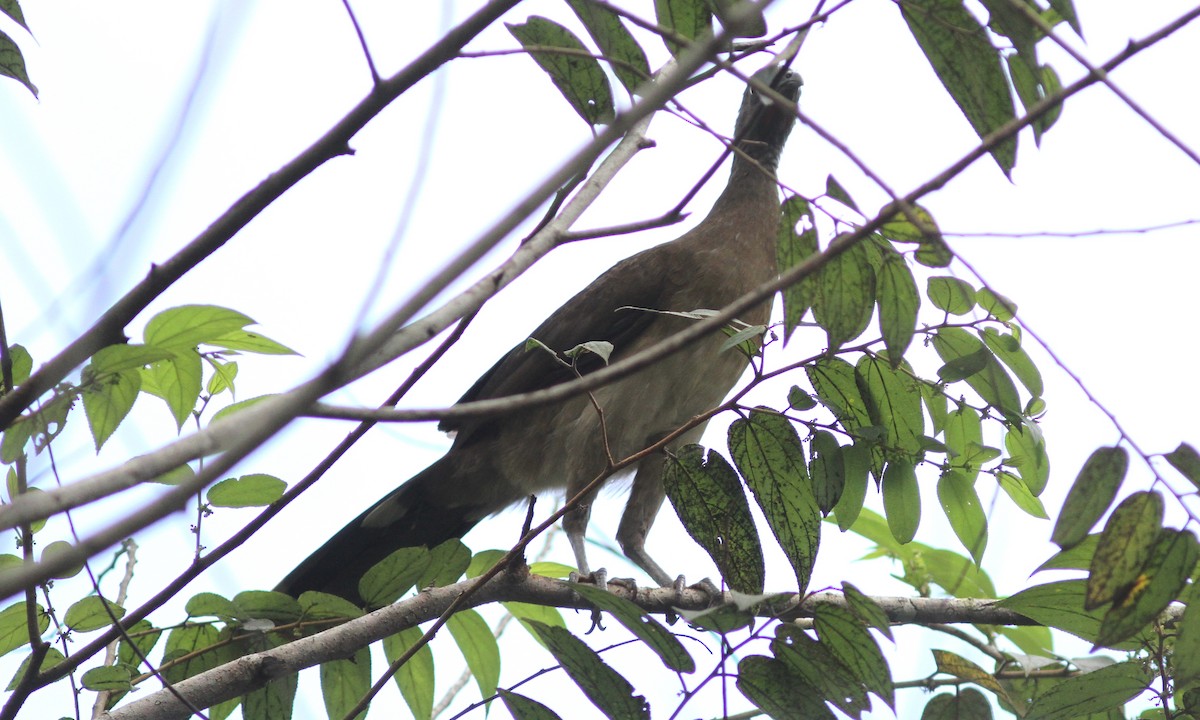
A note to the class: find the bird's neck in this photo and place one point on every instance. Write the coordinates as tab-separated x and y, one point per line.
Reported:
751	180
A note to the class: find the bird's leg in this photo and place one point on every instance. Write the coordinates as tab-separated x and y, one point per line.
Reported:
575	524
645	498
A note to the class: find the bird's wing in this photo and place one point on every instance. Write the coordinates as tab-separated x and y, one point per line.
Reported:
594	314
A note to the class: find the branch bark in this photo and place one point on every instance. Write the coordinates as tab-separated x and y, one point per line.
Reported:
253	671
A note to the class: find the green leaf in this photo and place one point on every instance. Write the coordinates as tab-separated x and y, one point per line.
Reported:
415	678
275	700
961	368
800	400
91	613
754	26
344	682
62	546
902	500
107	400
177	476
1059	605
12	63
108	678
246	341
523	708
956	493
395	575
1077	557
1066	9
964	430
847	639
1186	657
193	647
710	503
797	242
1009	350
867	610
478	647
177	381
22	363
1186	460
529	613
687	18
996	304
627	58
1164	575
828	470
846	297
834	381
222	378
835	190
119	358
958	48
576	74
323	606
14	630
656	637
143	636
767	452
610	692
856	461
1100	691
12	9
266	605
207	604
1126	543
899	228
898	302
778	691
965	703
950	295
256	490
1027	454
447	562
816	666
185	327
937	405
240	405
894	403
1019	493
1094	490
963	669
992	383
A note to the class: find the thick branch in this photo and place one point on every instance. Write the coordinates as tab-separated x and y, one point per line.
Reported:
109	329
254	671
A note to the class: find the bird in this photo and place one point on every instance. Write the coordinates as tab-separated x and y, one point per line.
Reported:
495	462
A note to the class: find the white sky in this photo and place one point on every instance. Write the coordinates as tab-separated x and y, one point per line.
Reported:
1118	309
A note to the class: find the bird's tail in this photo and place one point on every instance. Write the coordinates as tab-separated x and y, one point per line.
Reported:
409	516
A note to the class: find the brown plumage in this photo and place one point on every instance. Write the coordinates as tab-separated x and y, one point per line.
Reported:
498	461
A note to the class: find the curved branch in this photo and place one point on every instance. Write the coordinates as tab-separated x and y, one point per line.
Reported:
109	328
253	671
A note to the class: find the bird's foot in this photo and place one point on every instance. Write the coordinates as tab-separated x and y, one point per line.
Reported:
597	577
707	587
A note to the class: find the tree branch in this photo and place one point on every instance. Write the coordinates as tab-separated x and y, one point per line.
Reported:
109	328
245	674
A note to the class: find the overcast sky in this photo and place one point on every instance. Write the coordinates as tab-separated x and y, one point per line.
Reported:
1118	309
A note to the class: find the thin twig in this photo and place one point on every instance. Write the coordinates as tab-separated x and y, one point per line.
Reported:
362	41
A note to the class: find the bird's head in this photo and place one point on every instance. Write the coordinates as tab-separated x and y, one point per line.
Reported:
763	122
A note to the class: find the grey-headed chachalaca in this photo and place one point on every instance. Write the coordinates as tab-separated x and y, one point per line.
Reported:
498	461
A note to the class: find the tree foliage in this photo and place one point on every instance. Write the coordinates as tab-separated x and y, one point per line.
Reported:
924	392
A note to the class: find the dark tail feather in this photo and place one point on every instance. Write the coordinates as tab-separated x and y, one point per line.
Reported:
406	517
